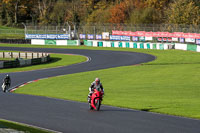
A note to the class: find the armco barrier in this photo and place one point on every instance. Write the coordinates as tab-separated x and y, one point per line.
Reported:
36	61
24	62
142	45
123	44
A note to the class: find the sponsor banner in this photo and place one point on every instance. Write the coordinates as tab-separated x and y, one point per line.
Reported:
142	38
192	47
125	38
160	39
82	36
63	36
105	35
171	35
189	40
72	42
50	42
115	32
174	39
169	39
115	37
164	39
148	34
148	38
198	41
47	36
164	34
98	37
197	36
135	38
36	36
178	34
155	34
52	36
90	36
37	42
189	35
140	33
182	40
120	38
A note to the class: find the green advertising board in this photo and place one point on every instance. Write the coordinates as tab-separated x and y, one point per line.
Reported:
154	46
88	43
142	39
127	45
191	47
112	44
50	42
161	46
135	45
142	45
148	46
120	44
71	42
100	44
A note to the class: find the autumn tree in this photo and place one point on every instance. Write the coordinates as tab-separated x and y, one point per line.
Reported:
183	12
101	14
119	13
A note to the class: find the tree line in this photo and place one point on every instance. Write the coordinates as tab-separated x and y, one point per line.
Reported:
44	12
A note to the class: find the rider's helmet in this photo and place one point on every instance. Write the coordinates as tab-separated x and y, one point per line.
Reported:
7	76
97	80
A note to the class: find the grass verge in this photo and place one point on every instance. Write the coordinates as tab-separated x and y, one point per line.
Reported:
168	85
4	124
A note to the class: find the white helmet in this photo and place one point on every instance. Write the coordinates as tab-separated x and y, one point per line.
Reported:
97	80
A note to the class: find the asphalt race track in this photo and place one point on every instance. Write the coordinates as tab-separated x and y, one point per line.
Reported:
75	117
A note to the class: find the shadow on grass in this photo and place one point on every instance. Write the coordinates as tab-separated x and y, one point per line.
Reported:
52	60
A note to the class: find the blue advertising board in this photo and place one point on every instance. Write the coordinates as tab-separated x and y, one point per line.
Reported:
90	36
198	41
63	36
120	38
98	37
82	36
47	36
135	38
51	36
182	40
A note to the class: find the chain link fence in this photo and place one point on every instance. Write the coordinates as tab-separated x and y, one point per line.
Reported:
99	28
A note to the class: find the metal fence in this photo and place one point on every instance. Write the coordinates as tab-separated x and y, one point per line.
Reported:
99	28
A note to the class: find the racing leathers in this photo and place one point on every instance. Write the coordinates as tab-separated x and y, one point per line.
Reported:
92	87
7	81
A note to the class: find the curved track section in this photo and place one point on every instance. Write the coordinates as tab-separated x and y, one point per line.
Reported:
74	117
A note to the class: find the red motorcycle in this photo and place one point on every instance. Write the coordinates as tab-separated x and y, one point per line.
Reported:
96	99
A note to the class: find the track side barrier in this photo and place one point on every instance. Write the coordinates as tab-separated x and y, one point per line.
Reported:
142	45
23	59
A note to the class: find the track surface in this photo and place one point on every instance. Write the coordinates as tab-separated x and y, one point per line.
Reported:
74	117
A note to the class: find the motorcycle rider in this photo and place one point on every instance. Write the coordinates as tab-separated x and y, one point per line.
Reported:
95	84
7	80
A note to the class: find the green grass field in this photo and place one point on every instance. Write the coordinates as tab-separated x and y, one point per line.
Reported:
11	33
19	127
168	85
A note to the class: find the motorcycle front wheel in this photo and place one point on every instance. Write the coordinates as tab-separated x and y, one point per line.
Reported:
90	107
98	104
